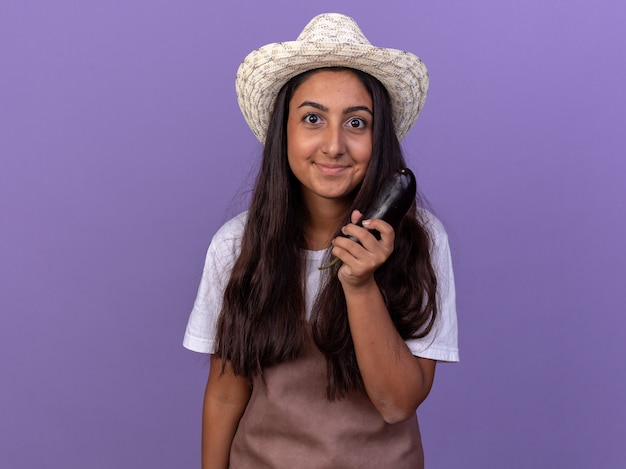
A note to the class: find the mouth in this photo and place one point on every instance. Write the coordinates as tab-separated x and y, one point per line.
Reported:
330	169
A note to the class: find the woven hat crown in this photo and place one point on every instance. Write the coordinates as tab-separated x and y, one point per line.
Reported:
333	28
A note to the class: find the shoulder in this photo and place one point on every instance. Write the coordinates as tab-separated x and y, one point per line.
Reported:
442	342
232	229
432	224
441	257
226	241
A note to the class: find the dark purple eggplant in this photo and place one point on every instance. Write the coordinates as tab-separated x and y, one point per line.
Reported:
391	205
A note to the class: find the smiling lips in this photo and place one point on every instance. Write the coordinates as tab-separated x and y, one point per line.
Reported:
330	170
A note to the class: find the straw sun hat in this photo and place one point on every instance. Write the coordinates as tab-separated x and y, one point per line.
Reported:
329	40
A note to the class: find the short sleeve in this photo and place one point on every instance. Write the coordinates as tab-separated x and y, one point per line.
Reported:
441	343
200	334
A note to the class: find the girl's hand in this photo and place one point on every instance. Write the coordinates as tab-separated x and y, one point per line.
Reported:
360	261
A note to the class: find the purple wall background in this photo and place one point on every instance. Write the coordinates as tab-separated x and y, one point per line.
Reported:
122	149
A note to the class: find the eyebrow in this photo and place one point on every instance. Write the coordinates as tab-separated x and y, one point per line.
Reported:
347	110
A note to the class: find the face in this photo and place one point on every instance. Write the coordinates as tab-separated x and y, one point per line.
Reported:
329	135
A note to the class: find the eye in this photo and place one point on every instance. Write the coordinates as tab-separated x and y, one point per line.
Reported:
311	118
356	123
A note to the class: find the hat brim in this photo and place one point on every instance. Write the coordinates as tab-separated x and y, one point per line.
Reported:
266	70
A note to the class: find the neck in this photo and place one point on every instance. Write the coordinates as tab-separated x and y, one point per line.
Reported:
324	217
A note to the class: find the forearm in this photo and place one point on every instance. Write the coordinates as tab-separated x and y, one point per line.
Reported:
225	401
395	381
219	424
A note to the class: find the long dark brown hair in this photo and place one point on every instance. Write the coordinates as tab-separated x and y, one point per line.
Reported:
263	320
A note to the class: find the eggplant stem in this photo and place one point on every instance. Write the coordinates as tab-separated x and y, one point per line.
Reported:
329	265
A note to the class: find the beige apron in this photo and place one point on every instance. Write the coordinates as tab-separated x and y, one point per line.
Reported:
289	423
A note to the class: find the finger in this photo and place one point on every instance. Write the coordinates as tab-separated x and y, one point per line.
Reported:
368	251
355	216
385	229
352	245
355	259
356	232
369	240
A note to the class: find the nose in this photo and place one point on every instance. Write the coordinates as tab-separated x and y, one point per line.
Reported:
333	143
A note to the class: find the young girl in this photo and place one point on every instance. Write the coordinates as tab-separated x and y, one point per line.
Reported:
323	368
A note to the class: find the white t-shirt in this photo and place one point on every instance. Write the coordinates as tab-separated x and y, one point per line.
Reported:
200	336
